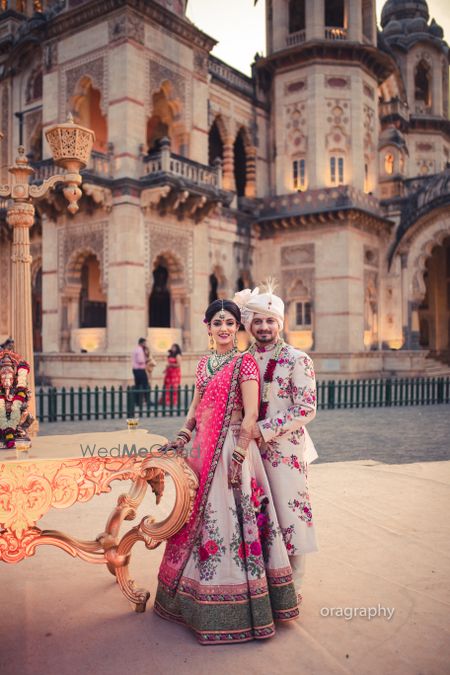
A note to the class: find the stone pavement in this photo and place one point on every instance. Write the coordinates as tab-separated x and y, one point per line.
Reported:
390	435
383	544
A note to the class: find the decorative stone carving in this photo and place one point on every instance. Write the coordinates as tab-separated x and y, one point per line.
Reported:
295	86
165	239
159	73
337	82
74	240
294	279
96	70
296	139
369	129
100	195
126	25
297	255
339	128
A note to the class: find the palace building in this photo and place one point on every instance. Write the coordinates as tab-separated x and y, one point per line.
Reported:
327	169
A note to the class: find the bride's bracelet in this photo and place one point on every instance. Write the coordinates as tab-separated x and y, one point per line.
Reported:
239	454
184	435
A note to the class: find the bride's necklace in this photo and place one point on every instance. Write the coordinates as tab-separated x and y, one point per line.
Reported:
217	361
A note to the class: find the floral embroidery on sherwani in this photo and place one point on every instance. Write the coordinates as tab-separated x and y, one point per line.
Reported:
209	548
288	533
302	507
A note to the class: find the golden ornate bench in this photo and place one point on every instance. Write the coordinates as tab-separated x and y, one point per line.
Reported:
30	488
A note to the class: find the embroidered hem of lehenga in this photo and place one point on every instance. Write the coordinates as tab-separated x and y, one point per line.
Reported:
219	637
250	602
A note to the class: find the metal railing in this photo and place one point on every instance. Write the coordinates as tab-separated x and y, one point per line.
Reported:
74	404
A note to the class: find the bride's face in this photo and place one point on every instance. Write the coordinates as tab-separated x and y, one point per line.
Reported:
223	328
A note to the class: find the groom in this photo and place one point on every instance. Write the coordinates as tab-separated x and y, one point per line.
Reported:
288	403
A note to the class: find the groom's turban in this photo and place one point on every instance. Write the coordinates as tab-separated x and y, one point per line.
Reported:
253	302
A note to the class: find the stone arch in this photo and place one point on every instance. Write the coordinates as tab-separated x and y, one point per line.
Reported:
86	108
168	291
217	136
78	308
75	263
423	84
166	120
244	154
421	249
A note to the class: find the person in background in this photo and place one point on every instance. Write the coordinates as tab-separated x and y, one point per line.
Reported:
172	375
139	362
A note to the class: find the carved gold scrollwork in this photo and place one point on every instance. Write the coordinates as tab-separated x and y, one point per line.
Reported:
29	489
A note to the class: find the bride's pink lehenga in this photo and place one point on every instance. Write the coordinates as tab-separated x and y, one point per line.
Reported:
226	574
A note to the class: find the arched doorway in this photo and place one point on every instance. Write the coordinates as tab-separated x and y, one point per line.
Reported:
159	303
240	163
434	311
92	304
166	121
87	112
215	143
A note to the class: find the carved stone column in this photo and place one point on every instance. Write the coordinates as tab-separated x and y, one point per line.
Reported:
20	217
228	165
250	171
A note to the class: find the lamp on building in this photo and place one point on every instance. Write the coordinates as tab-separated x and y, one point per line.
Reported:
71	146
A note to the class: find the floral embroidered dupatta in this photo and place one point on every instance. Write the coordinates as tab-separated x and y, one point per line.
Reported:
213	415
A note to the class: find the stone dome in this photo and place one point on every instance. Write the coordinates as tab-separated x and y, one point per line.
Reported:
404	9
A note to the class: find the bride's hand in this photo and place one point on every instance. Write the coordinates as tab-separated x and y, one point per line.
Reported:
256	432
176	446
234	474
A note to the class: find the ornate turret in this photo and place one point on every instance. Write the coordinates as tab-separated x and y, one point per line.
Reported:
398	10
421	52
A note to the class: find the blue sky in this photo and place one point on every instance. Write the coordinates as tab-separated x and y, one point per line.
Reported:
239	26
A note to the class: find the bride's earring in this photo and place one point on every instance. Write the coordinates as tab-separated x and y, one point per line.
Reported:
235	341
211	342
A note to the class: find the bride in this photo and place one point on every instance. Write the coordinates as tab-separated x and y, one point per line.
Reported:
226	573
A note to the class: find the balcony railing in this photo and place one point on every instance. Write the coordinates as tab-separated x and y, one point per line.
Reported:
164	161
335	33
296	38
100	164
230	76
394	107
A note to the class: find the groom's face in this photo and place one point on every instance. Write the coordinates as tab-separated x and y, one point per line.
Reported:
265	329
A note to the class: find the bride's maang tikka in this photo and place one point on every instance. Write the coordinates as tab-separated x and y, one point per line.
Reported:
222	312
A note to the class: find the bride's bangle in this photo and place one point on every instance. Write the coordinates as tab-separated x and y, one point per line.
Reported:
239	454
